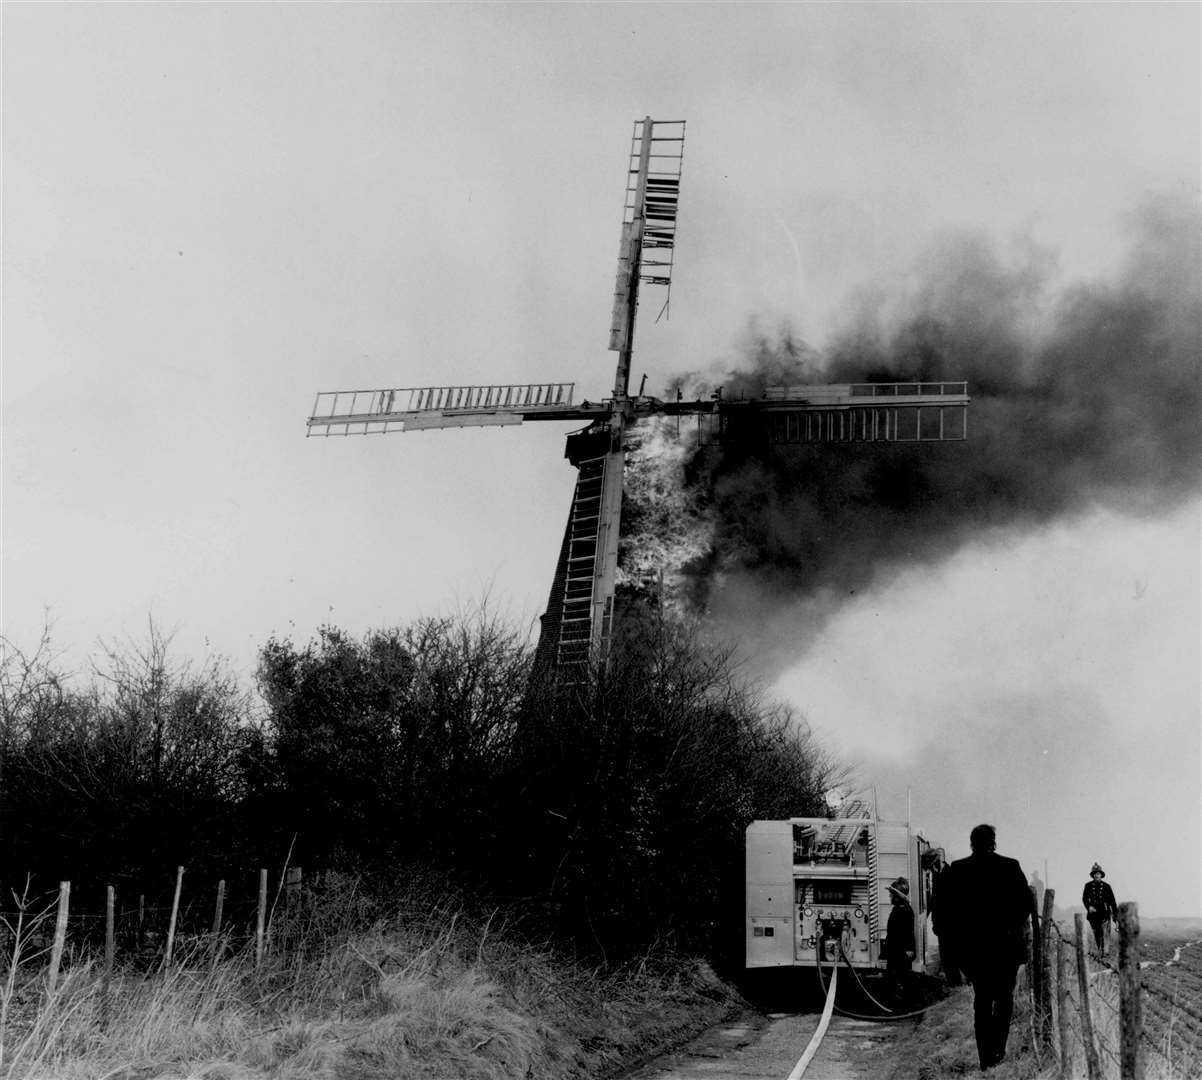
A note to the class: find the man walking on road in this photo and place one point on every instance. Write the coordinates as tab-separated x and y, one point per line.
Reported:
984	905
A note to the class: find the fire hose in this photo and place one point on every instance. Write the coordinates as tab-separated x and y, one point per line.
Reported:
811	1049
888	1015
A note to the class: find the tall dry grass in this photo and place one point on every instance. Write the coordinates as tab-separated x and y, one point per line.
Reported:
351	991
944	1046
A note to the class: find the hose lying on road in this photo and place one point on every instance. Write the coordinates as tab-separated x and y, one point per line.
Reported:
860	982
816	1039
830	1007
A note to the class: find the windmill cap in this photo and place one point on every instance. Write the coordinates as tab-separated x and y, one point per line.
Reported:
901	886
1096	869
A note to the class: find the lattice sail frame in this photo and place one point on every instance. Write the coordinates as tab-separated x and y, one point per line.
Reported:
362	412
866	412
647	250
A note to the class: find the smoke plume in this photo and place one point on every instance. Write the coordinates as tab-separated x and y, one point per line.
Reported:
1082	397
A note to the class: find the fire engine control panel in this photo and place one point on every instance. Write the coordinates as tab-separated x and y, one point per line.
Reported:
825	924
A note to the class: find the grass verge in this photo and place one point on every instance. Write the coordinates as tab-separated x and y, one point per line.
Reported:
943	1045
351	993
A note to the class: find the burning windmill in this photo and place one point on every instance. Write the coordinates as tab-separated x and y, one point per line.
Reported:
578	626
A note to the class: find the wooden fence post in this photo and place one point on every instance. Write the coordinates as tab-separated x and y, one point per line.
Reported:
110	932
292	886
1062	1009
60	935
1035	965
179	881
217	912
262	919
1091	1051
1045	975
1131	1066
110	949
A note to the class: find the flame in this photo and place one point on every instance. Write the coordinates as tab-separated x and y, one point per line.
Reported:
667	525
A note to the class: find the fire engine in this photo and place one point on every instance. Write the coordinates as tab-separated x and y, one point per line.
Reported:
819	887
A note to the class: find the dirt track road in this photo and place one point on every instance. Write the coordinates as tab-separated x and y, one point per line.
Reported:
753	1047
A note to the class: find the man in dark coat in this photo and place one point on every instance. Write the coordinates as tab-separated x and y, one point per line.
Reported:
1100	906
947	955
983	909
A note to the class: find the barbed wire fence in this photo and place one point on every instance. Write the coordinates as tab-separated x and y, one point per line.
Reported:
1087	1014
36	926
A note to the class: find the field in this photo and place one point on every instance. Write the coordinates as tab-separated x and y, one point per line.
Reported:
1170	1001
1171	977
943	1046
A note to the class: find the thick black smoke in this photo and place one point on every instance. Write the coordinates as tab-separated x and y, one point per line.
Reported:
1083	399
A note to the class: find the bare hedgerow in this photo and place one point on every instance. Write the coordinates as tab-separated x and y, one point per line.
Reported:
138	768
622	811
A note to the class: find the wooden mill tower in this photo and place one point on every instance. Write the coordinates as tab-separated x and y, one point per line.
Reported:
579	622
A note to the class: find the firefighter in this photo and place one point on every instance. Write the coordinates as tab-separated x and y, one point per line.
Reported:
984	906
899	938
1100	907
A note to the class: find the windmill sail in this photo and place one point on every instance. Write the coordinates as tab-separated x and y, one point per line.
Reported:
362	412
647	248
851	412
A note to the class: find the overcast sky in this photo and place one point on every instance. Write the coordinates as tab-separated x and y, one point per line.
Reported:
213	211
